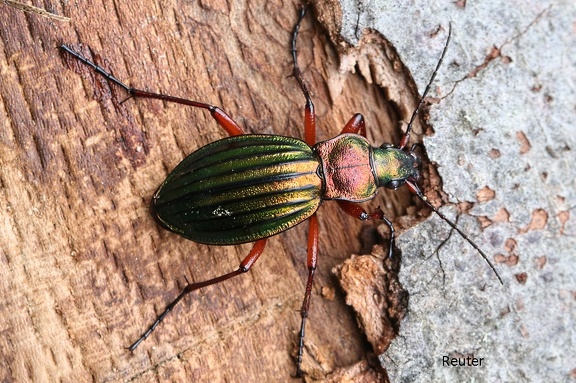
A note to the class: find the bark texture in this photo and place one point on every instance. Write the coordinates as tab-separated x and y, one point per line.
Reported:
86	269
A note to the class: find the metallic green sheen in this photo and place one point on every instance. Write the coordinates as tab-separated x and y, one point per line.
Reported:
390	164
240	189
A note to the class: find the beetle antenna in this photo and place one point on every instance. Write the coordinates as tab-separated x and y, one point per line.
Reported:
414	189
406	136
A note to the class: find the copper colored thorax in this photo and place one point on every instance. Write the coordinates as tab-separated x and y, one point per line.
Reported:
353	170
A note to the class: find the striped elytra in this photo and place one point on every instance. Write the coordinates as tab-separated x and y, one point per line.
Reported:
240	189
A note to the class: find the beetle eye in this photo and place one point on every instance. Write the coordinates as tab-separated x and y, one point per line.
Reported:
386	146
394	184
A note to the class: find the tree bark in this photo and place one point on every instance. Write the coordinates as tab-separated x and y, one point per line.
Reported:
86	269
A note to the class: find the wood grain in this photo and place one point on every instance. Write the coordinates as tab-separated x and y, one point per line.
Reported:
85	268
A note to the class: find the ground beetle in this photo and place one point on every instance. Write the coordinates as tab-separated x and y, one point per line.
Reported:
248	187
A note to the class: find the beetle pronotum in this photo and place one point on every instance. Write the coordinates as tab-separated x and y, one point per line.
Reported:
248	187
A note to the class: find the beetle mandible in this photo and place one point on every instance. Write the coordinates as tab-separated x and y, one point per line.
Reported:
248	187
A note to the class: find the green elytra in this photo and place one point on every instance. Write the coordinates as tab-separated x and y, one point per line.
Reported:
247	188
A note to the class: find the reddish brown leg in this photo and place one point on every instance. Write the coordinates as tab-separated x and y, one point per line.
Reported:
310	138
221	118
358	212
244	267
312	260
356	125
224	120
309	115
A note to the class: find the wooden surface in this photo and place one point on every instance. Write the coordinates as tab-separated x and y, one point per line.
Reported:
85	268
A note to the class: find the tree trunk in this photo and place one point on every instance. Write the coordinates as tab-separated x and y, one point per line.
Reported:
86	269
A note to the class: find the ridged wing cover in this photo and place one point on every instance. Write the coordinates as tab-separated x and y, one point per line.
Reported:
240	189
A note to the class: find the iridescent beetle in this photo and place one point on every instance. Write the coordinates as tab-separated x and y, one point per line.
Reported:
248	187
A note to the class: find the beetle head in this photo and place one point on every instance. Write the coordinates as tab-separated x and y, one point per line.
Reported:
393	166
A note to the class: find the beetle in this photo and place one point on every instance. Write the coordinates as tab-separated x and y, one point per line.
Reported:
249	187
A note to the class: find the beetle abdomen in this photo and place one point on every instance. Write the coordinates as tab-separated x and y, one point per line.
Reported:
240	189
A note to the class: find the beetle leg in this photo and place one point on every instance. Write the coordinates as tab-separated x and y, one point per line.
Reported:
358	212
309	114
356	125
312	260
224	120
245	266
